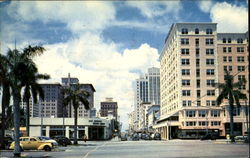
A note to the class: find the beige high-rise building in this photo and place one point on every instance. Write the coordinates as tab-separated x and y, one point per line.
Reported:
190	65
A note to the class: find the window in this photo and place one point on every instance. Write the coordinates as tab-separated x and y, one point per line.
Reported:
224	58
210	71
229	49
209	31
209	41
215	123
184	31
198	93
241	77
228	68
184	41
185	61
242	87
196	31
203	123
210	92
215	113
190	123
211	83
202	113
198	103
213	103
197	52
240	59
224	40
209	51
197	41
185	72
224	49
198	72
184	51
236	111
186	92
229	40
186	82
239	40
241	68
197	62
186	103
230	59
210	61
198	83
240	49
190	113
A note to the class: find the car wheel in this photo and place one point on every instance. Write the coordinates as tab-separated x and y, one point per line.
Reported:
64	144
47	148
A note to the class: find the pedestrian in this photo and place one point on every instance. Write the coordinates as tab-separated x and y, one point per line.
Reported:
85	138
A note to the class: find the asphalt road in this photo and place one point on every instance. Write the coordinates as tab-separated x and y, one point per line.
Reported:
145	149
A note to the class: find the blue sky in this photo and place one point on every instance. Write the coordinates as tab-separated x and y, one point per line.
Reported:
107	43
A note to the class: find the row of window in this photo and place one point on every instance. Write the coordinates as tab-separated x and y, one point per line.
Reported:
208	41
203	123
189	103
230	59
229	49
209	83
184	31
187	61
229	40
202	113
186	72
188	93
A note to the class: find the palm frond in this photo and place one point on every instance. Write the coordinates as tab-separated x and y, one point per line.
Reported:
33	51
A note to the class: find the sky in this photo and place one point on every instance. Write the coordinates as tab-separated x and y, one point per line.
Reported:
107	43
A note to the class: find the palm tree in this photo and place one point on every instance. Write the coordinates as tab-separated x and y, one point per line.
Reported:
19	68
230	90
76	95
32	86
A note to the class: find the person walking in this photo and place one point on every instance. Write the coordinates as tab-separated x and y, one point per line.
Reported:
85	138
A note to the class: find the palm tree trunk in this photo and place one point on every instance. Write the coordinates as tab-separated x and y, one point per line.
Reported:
75	127
3	116
231	109
16	98
27	116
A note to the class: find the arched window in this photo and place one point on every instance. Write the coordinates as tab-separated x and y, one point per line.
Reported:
209	31
184	31
239	40
196	31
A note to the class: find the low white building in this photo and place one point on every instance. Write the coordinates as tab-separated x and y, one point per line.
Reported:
94	128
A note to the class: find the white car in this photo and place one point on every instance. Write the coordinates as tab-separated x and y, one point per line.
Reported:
48	139
240	137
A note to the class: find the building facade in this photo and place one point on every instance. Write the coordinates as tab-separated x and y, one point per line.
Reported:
147	89
109	107
191	62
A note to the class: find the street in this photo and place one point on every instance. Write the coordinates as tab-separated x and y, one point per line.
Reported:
145	149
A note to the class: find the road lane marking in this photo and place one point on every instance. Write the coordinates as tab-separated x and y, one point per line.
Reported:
86	156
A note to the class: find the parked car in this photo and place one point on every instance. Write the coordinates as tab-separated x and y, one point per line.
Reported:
6	141
157	136
62	140
240	137
33	143
146	137
135	136
124	138
48	139
208	136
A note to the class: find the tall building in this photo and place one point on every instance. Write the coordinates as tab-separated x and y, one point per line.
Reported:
109	107
192	60
82	112
147	89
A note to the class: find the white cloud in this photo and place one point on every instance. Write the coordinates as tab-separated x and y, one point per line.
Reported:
79	16
230	18
151	9
99	63
205	6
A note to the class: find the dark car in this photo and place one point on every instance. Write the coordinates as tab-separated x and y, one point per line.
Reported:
7	141
135	137
157	136
208	137
62	140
